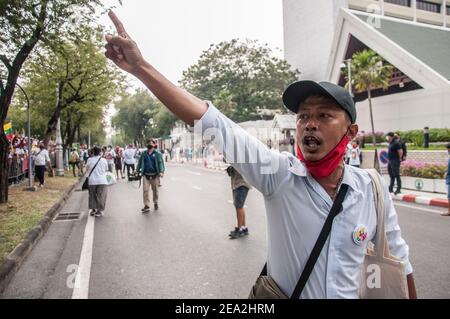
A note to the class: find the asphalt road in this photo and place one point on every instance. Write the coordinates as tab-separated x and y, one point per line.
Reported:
183	251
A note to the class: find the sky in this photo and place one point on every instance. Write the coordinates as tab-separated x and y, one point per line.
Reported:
173	33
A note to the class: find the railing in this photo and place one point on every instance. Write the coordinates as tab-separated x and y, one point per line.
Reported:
18	168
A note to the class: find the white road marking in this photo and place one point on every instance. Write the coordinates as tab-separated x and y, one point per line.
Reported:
81	289
419	208
196	187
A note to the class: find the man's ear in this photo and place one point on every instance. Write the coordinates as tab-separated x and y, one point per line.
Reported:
353	131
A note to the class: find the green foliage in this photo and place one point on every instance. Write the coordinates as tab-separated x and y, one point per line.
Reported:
427	170
87	81
369	71
240	78
141	116
416	136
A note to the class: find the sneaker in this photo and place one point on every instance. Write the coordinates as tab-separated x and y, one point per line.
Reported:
239	233
92	212
233	231
397	192
156	206
98	213
146	209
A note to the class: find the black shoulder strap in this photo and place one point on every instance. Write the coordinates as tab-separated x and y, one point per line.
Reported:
321	240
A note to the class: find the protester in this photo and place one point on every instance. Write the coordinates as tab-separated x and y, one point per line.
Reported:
240	190
298	192
160	159
118	162
41	159
395	153
74	160
355	152
447	181
109	155
129	159
98	190
150	166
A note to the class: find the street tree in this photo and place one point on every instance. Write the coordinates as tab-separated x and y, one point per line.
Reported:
369	71
241	78
23	24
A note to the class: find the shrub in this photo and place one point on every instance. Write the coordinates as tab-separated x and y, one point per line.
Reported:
423	170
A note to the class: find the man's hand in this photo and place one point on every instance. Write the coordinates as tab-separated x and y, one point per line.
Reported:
122	50
161	174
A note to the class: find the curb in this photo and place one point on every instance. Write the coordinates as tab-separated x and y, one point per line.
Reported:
15	259
439	202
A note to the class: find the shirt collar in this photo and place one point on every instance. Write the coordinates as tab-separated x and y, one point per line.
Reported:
296	167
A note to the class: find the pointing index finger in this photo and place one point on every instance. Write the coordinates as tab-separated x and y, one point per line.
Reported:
119	26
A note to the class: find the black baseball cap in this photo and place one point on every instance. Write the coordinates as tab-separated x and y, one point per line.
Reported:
298	92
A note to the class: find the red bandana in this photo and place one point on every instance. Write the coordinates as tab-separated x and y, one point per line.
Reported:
327	165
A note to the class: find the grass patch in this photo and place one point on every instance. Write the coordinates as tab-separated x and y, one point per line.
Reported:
25	209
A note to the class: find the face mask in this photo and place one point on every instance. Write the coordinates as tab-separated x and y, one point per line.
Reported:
327	165
150	146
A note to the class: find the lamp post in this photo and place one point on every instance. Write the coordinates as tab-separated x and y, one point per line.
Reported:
30	187
59	148
349	68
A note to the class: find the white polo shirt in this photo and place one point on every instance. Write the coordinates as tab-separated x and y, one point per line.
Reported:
296	209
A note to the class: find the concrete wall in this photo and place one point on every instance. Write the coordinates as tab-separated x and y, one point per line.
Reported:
308	34
406	111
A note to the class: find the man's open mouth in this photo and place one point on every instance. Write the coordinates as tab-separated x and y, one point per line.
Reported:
311	142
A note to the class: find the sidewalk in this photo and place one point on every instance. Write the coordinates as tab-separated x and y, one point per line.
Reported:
425	198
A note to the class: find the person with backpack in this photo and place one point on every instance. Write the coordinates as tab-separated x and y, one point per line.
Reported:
74	160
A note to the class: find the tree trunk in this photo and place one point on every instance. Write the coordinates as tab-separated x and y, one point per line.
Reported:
376	164
4	167
374	139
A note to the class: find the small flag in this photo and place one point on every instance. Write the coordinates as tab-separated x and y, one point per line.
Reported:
8	131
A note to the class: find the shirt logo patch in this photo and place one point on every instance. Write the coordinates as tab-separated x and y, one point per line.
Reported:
359	234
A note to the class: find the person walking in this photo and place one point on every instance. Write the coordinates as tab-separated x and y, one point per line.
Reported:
395	154
41	159
160	159
151	166
129	159
240	190
109	155
74	161
299	191
96	168
355	152
447	181
118	162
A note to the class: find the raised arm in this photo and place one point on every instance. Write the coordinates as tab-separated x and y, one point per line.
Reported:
124	52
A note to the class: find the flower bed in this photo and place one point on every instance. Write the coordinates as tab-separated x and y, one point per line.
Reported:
423	170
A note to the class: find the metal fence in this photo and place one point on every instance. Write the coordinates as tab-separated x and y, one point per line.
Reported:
18	168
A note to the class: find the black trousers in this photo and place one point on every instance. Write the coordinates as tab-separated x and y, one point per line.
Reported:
394	174
128	168
40	173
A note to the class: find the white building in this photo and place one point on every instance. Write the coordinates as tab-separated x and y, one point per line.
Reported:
412	35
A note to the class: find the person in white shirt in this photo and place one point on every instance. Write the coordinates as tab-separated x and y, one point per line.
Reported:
97	182
298	191
41	159
129	159
354	152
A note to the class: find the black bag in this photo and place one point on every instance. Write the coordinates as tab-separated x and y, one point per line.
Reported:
86	181
266	288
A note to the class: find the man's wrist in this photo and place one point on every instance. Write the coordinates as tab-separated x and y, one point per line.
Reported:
142	70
